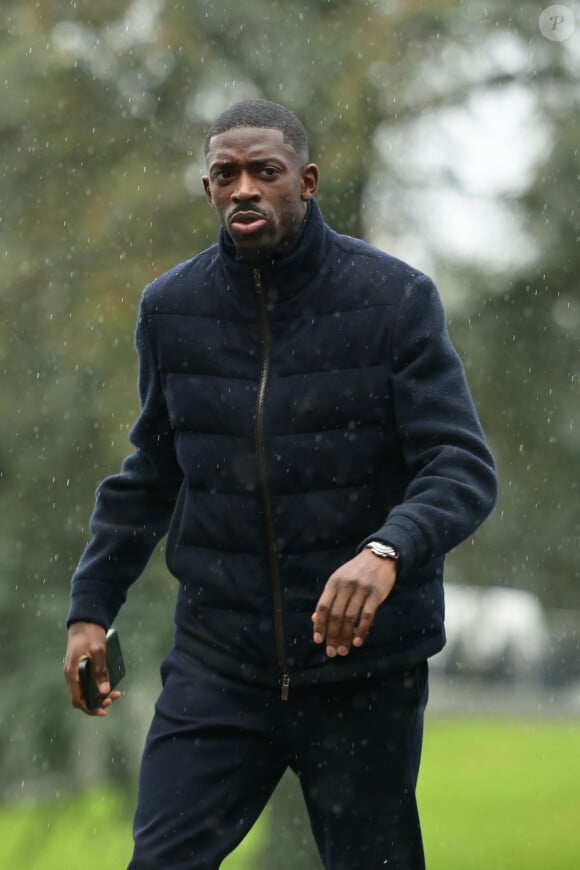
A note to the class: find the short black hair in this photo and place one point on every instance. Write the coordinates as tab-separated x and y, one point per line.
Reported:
261	113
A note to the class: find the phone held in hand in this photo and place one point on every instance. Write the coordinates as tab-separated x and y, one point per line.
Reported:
115	669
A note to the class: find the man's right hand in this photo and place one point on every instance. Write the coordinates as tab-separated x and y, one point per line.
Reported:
86	640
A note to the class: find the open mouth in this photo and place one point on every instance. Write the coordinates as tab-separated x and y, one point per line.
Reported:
247	222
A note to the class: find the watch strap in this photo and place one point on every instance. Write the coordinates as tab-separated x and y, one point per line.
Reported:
384	551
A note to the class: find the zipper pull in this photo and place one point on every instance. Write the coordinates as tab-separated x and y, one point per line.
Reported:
285	687
258	280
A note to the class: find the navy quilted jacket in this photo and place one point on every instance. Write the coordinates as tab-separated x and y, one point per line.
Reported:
289	415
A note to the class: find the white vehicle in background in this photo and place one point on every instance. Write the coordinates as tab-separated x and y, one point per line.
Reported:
494	631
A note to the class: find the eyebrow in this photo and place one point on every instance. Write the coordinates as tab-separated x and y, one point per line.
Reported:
258	161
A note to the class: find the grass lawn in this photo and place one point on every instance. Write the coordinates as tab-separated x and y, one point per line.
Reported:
501	795
498	795
89	832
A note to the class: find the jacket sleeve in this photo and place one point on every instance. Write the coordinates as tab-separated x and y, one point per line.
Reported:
133	508
452	480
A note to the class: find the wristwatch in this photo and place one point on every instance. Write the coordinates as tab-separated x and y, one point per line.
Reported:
385	551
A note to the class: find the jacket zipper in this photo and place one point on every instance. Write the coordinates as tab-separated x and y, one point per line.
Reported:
263	475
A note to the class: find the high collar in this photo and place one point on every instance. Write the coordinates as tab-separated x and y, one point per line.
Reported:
287	272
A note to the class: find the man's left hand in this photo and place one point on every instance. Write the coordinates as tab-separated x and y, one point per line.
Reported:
346	609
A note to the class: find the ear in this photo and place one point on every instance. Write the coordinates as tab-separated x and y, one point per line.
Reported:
309	182
207	189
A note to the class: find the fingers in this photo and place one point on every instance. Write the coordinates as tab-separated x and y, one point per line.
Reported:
341	627
73	683
347	607
105	703
102	710
87	641
100	672
365	621
346	621
322	612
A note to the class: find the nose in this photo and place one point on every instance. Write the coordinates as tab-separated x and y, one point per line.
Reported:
246	188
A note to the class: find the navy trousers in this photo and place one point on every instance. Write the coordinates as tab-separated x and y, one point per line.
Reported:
217	748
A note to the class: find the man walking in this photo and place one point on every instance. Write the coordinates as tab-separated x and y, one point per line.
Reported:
308	440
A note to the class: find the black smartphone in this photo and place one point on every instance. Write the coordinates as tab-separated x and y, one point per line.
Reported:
115	669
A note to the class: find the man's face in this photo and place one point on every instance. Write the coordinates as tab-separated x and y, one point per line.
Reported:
259	187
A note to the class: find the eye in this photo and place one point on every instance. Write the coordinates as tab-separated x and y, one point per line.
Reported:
226	173
269	172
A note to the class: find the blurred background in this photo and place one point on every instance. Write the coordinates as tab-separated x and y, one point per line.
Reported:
448	134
